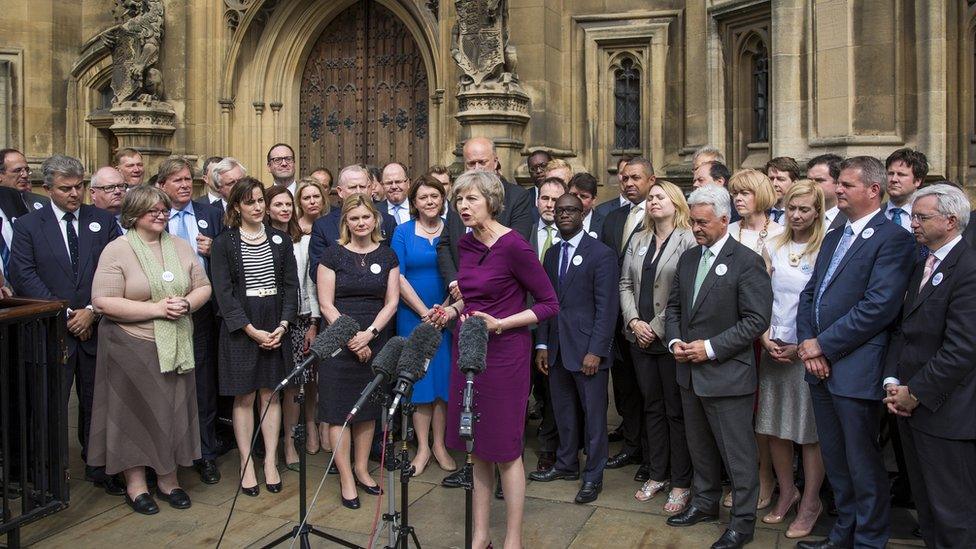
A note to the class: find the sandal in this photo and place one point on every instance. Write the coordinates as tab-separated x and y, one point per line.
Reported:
650	489
680	500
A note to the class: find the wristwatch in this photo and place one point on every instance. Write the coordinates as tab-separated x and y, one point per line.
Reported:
373	330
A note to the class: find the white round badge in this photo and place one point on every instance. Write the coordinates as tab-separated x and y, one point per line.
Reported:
578	260
38	205
867	233
94	226
168	276
721	269
375	268
593	234
937	279
642	251
806	268
276	239
202	223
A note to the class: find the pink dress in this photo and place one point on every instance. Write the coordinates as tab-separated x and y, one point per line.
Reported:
497	281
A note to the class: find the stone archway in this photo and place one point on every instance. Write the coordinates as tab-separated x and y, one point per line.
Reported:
364	93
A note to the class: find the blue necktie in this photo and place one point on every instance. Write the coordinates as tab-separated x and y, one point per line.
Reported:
896	215
181	230
777	214
396	212
564	261
842	247
72	241
4	251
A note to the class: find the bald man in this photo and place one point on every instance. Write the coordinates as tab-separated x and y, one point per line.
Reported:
107	189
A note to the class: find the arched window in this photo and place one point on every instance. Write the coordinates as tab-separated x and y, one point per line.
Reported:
760	95
627	112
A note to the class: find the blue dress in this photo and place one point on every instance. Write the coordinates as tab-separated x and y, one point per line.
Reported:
418	263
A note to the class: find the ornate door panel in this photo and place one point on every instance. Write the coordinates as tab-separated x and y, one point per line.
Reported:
364	94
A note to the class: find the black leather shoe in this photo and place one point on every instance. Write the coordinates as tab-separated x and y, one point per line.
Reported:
546	461
588	492
209	473
114	486
552	474
917	532
643	474
273	488
616	435
177	498
456	480
691	515
350	503
821	544
143	504
374	490
732	540
253	491
623	459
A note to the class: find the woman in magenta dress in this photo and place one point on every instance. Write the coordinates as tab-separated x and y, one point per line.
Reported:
497	271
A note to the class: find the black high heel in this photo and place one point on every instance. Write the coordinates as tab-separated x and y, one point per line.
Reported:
371	490
253	491
350	503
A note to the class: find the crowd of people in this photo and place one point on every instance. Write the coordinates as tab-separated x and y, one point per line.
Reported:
758	333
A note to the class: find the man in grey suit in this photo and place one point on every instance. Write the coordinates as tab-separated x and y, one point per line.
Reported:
721	301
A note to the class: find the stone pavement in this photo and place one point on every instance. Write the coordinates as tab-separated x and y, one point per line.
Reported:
552	520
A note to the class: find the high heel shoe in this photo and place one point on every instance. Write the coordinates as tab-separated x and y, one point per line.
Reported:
371	490
274	488
419	469
773	518
253	491
793	532
350	503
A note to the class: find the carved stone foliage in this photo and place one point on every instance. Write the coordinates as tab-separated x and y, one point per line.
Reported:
234	11
135	44
479	43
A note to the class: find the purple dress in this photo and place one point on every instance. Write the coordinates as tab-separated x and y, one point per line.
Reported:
497	281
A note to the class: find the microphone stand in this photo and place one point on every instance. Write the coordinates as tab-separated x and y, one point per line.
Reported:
466	432
400	530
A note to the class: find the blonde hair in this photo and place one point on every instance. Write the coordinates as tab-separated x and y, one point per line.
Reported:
351	203
558	163
304	184
758	184
682	214
805	187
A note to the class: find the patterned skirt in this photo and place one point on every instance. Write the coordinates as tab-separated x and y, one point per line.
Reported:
298	331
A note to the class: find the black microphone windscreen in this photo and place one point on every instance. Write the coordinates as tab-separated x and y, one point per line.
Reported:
411	363
472	345
386	360
335	336
426	339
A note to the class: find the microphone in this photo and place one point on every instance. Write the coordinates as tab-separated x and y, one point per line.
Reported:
472	349
328	344
383	367
413	363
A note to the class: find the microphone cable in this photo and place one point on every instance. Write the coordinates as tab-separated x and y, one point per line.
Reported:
325	475
379	501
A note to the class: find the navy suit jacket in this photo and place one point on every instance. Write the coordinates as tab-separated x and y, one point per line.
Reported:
859	305
41	268
325	233
596	225
11	203
205	200
214	221
589	304
604	208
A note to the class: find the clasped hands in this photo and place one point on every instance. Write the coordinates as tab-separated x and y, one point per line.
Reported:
359	345
265	339
690	352
899	400
784	353
80	323
643	332
814	361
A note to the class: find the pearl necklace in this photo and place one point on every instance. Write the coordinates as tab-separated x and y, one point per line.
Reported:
432	233
252	237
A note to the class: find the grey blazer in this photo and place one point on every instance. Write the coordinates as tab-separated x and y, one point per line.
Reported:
632	274
732	310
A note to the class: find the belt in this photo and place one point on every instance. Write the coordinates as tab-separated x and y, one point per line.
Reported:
262	292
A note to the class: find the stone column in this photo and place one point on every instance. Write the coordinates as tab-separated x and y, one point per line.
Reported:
147	127
226	109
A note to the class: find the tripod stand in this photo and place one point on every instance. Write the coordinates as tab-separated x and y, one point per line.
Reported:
304	529
400	530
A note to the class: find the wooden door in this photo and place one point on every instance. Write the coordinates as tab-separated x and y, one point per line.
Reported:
364	95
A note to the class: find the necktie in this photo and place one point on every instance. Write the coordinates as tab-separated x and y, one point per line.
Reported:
4	251
181	230
547	243
896	214
69	217
564	262
633	219
703	265
842	247
927	271
396	213
777	214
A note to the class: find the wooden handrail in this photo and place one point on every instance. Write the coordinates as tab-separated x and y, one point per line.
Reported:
15	308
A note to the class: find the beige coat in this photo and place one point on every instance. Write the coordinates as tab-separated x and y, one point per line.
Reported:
631	275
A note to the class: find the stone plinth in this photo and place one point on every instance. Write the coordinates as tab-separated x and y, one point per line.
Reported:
147	127
499	114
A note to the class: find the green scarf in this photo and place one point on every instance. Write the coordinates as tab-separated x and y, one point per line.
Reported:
174	338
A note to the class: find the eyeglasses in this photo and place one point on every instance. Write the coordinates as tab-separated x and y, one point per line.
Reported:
157	214
112	188
396	182
278	161
23	170
539	168
568	210
923	217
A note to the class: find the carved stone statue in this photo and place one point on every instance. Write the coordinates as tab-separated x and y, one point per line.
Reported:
135	43
479	43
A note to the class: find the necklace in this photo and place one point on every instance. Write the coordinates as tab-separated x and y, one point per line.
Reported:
362	256
794	258
762	235
436	230
251	237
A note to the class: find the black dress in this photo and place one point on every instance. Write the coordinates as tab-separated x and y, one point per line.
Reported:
360	291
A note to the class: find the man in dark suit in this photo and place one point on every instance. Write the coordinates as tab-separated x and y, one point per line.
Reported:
11	207
108	188
584	187
536	163
221	176
395	184
479	154
575	348
352	180
54	256
969	234
197	224
619	201
618	228
824	171
843	321
720	303
931	370
15	173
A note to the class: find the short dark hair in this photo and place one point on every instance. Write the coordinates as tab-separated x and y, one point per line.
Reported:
831	160
584	182
279	145
625	159
717	170
424	181
323	169
914	159
785	164
125	152
872	172
3	158
542	152
439	169
554	181
210	160
242	190
644	163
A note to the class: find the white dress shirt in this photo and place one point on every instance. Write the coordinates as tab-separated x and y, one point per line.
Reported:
540	236
573	246
906	217
623	201
587	220
7	230
858	226
59	215
716	247
940	256
830	215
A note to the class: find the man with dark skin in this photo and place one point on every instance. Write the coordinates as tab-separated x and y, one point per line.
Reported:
537	166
